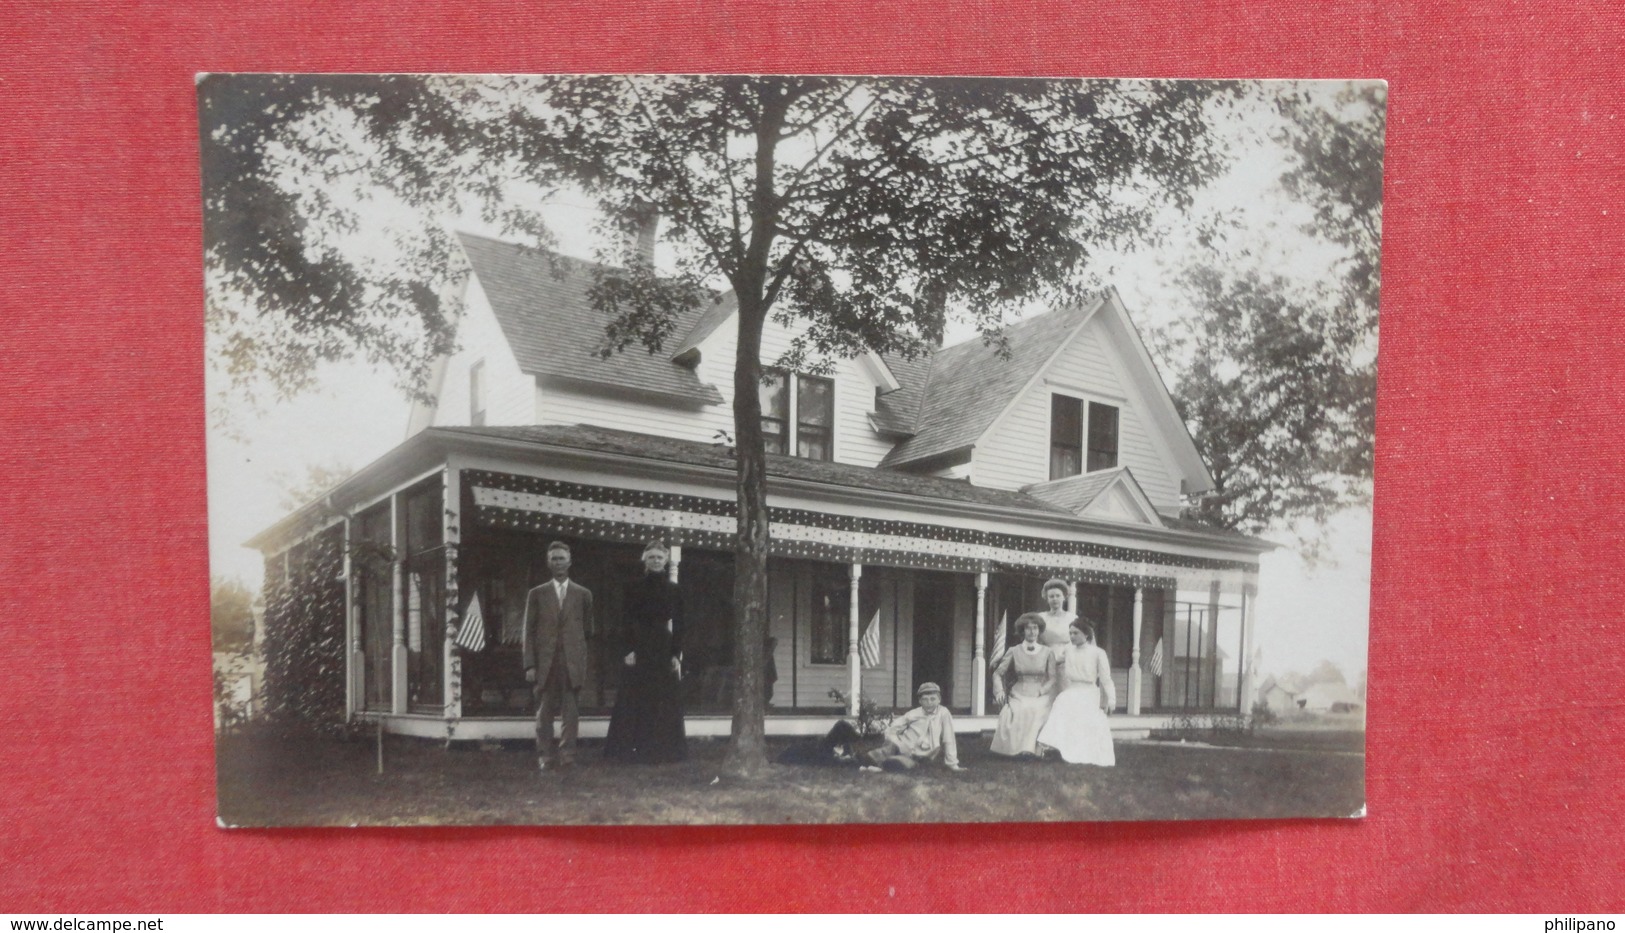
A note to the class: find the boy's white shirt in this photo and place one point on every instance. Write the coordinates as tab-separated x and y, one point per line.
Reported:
939	732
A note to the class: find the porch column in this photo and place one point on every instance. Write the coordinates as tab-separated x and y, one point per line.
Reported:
1134	677
854	666
1071	596
1249	671
672	562
978	667
397	602
354	663
451	498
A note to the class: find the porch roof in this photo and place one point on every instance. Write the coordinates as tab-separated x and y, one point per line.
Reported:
632	444
422	450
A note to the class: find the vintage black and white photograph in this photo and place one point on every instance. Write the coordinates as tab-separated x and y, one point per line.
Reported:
694	449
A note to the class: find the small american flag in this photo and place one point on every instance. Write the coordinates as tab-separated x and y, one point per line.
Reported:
1156	660
471	634
997	651
869	645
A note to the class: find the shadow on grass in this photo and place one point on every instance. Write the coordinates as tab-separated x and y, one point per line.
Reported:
266	780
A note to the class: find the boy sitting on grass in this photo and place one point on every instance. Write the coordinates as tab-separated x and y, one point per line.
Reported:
925	733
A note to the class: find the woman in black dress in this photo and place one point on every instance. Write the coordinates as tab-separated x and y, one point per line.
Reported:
647	724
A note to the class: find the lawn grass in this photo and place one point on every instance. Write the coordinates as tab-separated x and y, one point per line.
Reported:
266	781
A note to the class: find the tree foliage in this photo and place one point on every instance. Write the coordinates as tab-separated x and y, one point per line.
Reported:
231	614
1277	379
304	636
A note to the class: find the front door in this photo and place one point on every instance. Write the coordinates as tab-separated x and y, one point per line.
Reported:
933	632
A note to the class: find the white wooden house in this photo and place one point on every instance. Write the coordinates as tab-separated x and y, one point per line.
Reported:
931	498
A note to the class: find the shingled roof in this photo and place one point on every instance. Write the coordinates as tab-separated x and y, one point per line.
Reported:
968	385
540	302
898	410
586	437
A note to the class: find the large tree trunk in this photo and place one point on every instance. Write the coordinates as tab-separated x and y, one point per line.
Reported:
747	754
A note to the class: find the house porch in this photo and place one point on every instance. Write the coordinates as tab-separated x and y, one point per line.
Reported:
870	592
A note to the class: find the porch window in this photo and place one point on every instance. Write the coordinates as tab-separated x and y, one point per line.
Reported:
831	597
800	422
815	417
423	581
372	571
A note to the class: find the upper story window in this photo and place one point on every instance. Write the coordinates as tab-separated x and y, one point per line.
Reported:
1102	453
476	394
1068	431
802	421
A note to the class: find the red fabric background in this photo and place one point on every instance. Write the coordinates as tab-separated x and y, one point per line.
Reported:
1497	653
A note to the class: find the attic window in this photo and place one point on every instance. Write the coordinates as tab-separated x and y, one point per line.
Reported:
1068	431
1102	437
802	422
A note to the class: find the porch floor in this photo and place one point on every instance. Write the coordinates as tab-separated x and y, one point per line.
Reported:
596	727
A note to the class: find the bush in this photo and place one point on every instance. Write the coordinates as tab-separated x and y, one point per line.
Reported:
871	720
233	712
304	636
1212	727
1263	715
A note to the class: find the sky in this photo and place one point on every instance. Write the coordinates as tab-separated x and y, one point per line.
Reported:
353	415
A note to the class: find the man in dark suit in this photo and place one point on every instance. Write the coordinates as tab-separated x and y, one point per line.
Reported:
558	619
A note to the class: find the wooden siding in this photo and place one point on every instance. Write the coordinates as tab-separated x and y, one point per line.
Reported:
605	409
855	440
509	392
1016	452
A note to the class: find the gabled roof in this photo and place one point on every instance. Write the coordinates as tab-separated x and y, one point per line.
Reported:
540	302
897	410
707	323
969	385
1100	494
950	406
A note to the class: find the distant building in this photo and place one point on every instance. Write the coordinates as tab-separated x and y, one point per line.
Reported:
1330	698
1277	697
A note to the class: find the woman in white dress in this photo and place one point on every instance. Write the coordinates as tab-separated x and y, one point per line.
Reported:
1055	617
1031	669
1077	727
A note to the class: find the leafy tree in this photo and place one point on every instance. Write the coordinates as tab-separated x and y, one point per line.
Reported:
1277	380
317	480
867	210
1325	673
231	614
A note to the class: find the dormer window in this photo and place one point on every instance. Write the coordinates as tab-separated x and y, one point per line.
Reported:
803	421
1068	431
476	394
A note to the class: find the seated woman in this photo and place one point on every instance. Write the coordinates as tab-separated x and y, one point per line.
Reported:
1077	726
1027	704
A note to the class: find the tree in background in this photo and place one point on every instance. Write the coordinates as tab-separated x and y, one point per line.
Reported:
867	210
231	614
1277	379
